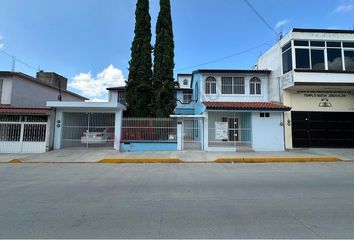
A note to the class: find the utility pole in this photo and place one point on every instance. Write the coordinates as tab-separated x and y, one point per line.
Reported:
13	65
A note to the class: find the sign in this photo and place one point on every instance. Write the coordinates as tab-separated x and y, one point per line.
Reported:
325	94
221	130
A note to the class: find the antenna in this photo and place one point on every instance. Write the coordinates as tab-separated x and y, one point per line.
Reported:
13	64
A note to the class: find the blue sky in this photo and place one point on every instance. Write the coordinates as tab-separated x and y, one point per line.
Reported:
89	41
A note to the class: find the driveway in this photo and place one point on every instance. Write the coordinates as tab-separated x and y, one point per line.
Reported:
312	200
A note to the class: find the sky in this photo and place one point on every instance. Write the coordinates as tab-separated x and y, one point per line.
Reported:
88	41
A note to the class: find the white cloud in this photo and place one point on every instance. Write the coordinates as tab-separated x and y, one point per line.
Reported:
282	23
95	86
344	7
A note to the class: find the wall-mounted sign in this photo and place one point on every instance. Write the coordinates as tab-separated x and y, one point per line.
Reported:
325	94
325	103
221	130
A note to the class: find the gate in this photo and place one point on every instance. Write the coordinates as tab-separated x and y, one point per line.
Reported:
23	133
192	131
86	129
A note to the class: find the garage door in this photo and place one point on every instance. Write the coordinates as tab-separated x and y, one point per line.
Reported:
323	129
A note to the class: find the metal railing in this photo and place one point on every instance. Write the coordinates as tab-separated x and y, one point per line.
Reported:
149	130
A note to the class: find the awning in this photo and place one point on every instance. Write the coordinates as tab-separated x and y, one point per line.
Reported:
246	106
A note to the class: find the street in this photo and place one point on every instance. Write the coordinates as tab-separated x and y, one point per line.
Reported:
294	200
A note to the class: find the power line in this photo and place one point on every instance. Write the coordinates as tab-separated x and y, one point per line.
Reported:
18	60
262	18
223	58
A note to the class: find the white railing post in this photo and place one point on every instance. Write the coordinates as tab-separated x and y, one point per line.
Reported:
179	135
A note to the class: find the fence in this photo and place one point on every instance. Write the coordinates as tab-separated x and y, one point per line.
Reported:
149	130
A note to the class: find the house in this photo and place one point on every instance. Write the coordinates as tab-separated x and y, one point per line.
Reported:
312	71
26	123
232	112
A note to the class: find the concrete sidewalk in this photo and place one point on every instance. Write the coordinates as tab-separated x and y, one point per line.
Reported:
94	155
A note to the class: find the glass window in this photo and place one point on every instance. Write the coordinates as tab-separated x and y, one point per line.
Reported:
317	59
210	85
187	97
226	85
348	44
349	60
255	86
185	82
286	47
239	85
301	43
287	61
333	44
121	98
302	58
334	57
317	44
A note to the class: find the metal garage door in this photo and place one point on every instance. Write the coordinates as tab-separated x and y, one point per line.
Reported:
323	129
88	129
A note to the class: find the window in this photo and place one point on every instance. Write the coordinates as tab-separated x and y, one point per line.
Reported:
262	115
187	97
334	57
196	92
185	82
302	58
232	85
255	86
287	58
301	43
121	98
210	85
1	81
317	59
317	44
349	60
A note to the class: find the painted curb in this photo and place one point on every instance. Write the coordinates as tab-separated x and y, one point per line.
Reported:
140	160
277	160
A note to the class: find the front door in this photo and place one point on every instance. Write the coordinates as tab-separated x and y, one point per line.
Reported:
233	129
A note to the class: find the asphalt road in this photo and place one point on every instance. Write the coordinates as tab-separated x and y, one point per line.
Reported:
177	201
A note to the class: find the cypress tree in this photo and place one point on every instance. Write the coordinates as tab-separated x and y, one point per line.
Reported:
163	102
139	84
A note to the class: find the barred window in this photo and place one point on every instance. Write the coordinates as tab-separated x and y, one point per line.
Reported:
210	85
255	86
233	85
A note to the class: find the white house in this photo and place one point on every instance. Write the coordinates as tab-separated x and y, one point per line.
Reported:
312	71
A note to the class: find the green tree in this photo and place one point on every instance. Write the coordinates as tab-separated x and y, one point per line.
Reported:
163	102
139	84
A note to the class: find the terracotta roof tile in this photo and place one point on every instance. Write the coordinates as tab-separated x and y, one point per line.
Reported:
246	106
13	110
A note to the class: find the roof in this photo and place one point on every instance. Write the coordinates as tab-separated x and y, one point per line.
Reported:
15	110
25	76
116	88
231	71
184	74
268	106
311	30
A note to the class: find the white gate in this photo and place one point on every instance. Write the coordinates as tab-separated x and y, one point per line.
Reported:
23	133
192	134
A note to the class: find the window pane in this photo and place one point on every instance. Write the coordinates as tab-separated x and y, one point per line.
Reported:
226	85
258	88
301	43
286	47
317	59
302	58
349	60
213	88
252	88
317	44
348	44
239	85
287	61
333	44
334	59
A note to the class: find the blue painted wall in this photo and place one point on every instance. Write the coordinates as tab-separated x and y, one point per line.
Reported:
148	146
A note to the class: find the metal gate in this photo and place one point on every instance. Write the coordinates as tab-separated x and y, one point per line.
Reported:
88	129
23	133
192	134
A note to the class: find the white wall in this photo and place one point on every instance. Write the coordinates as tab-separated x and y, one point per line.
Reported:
26	93
218	97
180	79
267	133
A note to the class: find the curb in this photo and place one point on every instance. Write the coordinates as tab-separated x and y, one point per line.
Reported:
140	160
277	160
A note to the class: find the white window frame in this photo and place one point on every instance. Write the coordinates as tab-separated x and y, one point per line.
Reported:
187	97
233	85
210	84
254	81
185	82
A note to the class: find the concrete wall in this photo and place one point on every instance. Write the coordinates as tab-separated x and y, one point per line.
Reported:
267	133
5	97
26	93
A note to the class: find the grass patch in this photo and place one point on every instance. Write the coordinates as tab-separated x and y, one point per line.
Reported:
277	160
140	160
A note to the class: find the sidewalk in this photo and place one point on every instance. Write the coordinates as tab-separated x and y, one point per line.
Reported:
95	155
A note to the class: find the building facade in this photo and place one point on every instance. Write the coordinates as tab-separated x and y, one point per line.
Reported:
312	71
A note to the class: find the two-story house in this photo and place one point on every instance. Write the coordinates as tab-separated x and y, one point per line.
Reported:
233	111
312	71
26	123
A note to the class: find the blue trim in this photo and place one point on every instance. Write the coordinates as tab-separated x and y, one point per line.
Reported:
148	146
